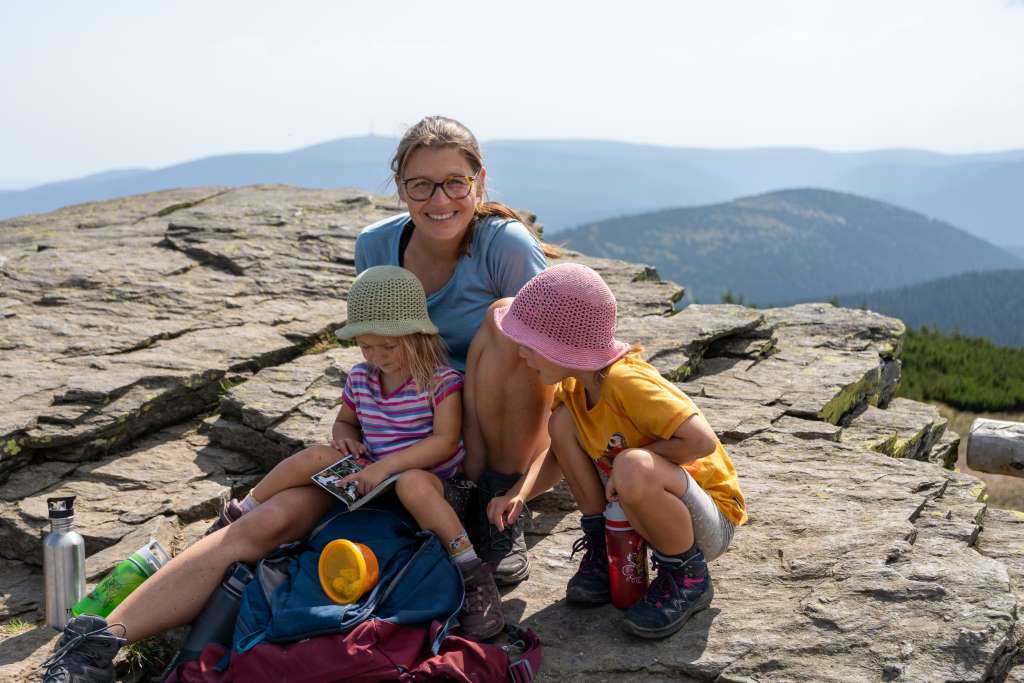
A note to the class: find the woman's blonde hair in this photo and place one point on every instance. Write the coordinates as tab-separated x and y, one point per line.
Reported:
424	353
441	131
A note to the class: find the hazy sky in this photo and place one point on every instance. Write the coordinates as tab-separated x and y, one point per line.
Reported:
86	87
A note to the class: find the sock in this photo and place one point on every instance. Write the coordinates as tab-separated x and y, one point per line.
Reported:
461	550
592	522
249	503
680	559
465	556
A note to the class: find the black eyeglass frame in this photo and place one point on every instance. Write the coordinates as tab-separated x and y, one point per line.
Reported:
470	179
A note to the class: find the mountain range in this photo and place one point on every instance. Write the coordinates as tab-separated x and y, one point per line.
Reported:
572	182
989	305
790	245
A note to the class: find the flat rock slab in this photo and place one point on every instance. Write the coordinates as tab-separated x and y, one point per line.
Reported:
833	565
156	360
676	344
905	429
170	478
121	317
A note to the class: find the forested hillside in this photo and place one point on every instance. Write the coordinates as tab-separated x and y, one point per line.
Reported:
989	305
790	245
964	372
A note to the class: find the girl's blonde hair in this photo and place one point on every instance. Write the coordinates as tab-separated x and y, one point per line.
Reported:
424	353
441	131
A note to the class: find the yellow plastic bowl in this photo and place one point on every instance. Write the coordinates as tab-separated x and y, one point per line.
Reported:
347	570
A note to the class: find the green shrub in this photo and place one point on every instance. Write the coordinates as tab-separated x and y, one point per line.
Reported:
964	372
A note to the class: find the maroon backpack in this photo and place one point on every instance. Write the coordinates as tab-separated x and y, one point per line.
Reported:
375	650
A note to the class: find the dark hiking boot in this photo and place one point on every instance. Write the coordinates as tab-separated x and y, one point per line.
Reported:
589	584
229	512
481	616
503	550
84	654
681	589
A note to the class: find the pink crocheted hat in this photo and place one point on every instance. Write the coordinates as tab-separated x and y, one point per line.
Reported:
566	314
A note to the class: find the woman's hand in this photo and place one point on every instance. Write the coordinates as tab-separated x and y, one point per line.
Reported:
368	477
504	510
348	446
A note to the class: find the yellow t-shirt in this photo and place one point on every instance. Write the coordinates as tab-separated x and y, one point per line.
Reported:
636	407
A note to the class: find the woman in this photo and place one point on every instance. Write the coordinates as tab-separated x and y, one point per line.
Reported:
470	255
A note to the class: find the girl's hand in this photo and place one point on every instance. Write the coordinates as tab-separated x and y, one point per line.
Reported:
504	510
368	477
611	493
353	447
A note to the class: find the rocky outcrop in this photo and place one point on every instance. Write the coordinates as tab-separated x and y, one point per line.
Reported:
165	349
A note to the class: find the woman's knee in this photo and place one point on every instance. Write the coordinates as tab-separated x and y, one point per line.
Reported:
286	517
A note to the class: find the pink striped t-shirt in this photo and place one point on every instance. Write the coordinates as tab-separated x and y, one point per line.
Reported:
398	420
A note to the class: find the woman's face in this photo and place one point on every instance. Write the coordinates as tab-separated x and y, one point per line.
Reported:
440	217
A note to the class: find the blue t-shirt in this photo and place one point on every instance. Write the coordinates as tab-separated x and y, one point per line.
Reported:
502	257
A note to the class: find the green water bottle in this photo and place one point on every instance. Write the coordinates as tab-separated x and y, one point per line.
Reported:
126	577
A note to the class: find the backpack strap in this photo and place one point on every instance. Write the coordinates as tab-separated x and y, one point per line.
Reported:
524	653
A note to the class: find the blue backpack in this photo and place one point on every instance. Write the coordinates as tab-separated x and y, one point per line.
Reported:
418	583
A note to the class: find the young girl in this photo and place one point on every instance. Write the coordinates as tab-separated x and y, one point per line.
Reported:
621	432
401	411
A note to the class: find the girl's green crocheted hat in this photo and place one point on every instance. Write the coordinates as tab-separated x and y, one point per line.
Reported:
386	300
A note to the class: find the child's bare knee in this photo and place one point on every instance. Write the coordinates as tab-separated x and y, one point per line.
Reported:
634	474
414	484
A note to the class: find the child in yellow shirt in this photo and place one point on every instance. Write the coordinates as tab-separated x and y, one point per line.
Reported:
621	432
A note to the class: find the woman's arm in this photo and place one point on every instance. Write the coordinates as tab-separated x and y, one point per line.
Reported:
541	476
692	440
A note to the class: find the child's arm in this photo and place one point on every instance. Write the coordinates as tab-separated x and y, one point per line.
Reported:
692	440
423	454
346	435
541	476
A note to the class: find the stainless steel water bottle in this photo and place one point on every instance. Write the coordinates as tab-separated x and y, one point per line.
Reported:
63	562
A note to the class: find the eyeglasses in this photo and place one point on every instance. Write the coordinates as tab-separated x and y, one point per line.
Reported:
454	187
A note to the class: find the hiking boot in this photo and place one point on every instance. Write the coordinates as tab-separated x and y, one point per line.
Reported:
503	550
229	512
481	616
682	588
589	584
84	654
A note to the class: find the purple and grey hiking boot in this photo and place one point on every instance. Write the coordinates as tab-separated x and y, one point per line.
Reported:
230	512
681	589
84	654
589	585
481	616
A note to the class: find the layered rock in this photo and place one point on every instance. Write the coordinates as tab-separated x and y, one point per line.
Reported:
165	349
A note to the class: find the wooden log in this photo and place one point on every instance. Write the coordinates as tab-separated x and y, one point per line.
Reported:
996	446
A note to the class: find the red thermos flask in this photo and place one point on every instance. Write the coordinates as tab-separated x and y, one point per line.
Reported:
627	558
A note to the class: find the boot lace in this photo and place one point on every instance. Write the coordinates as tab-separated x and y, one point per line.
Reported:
590	544
56	664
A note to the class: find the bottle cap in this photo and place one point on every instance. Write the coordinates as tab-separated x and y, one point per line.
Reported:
61	508
615	518
152	556
347	570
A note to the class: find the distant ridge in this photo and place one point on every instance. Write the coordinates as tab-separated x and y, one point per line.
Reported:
989	305
573	182
790	245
